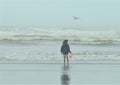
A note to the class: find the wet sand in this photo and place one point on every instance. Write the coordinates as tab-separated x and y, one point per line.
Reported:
56	74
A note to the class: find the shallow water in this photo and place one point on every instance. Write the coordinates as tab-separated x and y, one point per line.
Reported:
37	50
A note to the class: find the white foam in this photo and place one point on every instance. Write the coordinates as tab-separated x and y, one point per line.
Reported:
76	36
59	58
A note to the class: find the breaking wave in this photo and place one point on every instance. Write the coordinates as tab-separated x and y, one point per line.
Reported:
75	36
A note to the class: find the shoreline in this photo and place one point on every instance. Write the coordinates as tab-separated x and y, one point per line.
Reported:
92	61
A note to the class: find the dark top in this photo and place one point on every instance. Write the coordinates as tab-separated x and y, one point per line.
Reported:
65	49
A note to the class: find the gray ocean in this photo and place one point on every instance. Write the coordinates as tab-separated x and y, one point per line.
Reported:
95	59
35	43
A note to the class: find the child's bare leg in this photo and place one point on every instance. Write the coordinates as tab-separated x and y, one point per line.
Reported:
64	60
67	61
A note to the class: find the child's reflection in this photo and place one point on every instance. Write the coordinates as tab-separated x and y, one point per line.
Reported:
65	78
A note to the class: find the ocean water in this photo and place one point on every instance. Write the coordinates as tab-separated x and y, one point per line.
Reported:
36	44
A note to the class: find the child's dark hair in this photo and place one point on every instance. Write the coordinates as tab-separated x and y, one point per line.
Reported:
65	42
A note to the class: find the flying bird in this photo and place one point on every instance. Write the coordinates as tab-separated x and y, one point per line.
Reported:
76	18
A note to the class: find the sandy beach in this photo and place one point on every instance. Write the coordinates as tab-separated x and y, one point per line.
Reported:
50	74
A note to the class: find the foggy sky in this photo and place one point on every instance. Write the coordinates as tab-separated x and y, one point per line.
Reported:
60	13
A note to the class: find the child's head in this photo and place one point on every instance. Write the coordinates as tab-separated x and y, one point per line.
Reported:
65	42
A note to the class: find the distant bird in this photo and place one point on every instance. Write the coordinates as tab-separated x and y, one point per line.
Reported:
76	18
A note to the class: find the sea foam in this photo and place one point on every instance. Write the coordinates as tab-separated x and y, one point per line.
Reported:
75	36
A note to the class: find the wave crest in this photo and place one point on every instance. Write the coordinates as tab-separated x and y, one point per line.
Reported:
75	36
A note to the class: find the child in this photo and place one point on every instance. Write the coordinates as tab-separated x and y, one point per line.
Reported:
65	50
